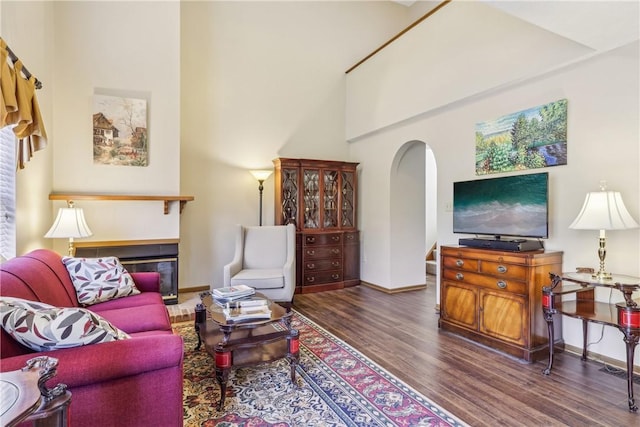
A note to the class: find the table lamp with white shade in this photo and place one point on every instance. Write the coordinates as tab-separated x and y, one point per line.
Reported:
69	224
603	210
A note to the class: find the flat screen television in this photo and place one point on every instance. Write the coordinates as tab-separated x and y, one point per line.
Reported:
516	206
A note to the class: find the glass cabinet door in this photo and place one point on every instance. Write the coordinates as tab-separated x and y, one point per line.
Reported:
311	194
316	195
330	201
289	198
347	205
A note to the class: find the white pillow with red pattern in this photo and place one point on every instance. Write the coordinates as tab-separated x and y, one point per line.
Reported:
43	327
99	279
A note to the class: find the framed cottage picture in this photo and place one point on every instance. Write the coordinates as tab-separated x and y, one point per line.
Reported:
120	131
528	139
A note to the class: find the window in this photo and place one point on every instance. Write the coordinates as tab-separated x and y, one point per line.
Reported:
7	193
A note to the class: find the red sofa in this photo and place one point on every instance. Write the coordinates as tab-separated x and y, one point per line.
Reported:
134	382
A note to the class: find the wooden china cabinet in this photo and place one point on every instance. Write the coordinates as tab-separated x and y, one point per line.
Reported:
319	198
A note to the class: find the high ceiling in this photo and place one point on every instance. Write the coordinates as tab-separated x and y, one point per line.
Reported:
600	25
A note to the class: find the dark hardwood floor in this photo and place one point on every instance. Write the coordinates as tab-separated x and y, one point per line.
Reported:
480	386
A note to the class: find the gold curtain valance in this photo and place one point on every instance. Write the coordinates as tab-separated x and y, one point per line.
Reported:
19	105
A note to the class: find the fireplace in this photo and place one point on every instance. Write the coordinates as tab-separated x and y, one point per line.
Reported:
141	255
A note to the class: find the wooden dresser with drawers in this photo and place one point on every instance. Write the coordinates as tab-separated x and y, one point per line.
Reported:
494	297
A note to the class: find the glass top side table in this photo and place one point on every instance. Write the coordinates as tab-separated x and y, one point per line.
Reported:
625	316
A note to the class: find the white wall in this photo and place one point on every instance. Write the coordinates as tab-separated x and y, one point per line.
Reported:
261	80
603	133
128	49
230	85
431	198
463	49
76	49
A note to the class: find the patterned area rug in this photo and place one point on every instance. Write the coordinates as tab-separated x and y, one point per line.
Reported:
336	386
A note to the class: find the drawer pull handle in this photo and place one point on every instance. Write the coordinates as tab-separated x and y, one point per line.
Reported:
459	262
335	264
349	236
335	251
501	284
335	238
335	276
311	252
459	276
311	279
502	269
311	239
311	266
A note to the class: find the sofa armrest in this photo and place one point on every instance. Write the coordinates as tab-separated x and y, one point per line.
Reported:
147	281
93	364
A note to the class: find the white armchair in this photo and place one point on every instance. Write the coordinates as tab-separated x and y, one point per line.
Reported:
265	259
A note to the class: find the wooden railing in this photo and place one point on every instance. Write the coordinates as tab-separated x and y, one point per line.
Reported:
397	36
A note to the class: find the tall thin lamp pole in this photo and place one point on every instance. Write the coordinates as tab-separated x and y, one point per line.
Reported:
260	188
261	176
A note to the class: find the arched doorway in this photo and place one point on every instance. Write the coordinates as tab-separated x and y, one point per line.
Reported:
413	212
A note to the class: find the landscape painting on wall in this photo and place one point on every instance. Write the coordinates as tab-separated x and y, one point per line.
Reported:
528	139
120	131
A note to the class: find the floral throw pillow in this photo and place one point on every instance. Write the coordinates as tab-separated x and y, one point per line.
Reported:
42	327
99	279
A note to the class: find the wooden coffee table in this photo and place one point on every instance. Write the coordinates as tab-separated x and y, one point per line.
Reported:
247	343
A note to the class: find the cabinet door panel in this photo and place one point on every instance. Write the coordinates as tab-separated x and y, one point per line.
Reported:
289	197
460	305
311	198
348	204
351	251
330	202
503	316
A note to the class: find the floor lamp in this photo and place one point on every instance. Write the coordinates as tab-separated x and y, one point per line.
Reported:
603	210
69	224
261	176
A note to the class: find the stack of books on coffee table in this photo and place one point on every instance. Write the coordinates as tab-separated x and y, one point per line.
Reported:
240	313
222	296
239	303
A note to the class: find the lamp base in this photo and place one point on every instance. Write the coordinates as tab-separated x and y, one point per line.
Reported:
602	275
70	249
602	253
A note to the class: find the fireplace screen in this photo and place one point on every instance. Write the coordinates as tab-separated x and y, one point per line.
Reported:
160	257
168	269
